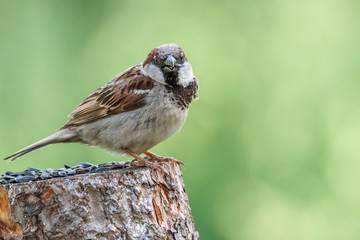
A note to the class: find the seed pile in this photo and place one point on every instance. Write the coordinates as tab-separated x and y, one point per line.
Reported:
34	174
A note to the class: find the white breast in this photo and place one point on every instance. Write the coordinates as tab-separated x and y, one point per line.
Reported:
137	130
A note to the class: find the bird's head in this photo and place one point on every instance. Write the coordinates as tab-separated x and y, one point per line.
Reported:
168	65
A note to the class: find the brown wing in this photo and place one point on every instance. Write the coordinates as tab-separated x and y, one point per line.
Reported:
126	92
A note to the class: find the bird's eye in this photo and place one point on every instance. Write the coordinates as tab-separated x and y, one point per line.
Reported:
155	58
181	56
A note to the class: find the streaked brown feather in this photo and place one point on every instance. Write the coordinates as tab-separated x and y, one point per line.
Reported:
115	97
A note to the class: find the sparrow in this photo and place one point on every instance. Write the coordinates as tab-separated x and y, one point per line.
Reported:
139	108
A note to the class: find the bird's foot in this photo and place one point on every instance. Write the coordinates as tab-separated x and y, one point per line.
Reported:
142	162
146	163
161	160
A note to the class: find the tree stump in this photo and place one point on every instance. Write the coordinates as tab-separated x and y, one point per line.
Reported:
128	203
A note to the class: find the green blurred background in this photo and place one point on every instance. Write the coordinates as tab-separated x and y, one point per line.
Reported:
272	147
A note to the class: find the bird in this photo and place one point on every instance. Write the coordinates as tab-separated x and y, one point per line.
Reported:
139	108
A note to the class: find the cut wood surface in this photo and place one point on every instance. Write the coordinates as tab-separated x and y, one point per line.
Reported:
129	203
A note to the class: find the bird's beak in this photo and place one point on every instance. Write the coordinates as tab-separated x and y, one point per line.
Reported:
170	62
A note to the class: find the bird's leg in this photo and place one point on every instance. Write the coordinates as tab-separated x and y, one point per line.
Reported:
142	162
154	157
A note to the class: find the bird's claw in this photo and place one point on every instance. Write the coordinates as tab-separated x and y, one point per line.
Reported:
162	160
151	165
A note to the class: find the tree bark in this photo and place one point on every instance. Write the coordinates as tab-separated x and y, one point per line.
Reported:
129	203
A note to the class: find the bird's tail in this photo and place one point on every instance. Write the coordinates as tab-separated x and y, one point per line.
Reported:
64	135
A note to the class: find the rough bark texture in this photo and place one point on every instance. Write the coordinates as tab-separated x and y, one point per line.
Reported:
130	203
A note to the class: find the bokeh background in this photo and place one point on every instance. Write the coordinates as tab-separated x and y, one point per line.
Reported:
272	146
